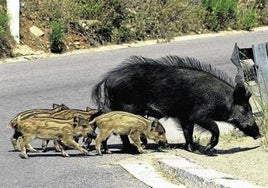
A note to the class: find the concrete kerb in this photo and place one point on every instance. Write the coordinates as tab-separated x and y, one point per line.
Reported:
189	174
193	175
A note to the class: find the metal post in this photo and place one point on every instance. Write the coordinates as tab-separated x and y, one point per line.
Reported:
13	10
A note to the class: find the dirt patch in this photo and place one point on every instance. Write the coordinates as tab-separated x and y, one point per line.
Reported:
241	157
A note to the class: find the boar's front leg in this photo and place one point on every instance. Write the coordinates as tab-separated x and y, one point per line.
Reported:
188	128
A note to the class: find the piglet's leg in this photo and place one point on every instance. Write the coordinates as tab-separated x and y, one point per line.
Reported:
63	152
44	145
14	140
23	153
68	140
105	146
24	142
57	145
104	134
135	137
30	148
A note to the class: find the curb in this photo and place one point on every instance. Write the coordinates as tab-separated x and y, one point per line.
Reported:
143	167
193	175
187	174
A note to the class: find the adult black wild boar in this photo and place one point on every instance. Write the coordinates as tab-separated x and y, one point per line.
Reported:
182	88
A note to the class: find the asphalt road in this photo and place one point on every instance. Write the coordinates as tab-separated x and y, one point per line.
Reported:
69	79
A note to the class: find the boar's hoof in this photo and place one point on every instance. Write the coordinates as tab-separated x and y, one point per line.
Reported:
24	156
44	150
108	151
84	151
99	153
209	148
210	152
189	147
30	149
65	154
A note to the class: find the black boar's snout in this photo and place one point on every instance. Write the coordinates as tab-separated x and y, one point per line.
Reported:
256	137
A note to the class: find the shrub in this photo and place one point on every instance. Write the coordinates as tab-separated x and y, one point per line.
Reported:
220	13
6	39
113	17
165	19
247	19
57	37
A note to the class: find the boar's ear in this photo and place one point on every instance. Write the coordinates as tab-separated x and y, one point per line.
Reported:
88	109
64	107
240	94
248	95
153	125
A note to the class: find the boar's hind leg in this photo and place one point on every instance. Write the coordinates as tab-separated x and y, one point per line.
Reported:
212	127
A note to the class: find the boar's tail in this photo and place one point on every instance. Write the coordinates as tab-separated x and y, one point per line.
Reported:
100	95
93	116
13	123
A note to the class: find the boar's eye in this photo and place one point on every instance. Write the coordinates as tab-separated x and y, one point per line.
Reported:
84	126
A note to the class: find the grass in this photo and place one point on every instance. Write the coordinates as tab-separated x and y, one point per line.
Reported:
6	39
264	131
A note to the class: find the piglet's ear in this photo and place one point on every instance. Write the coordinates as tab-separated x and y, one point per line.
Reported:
155	123
55	106
248	95
240	94
76	121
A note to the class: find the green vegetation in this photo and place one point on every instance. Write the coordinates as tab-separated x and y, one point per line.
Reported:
247	19
57	37
220	14
117	21
264	130
6	41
